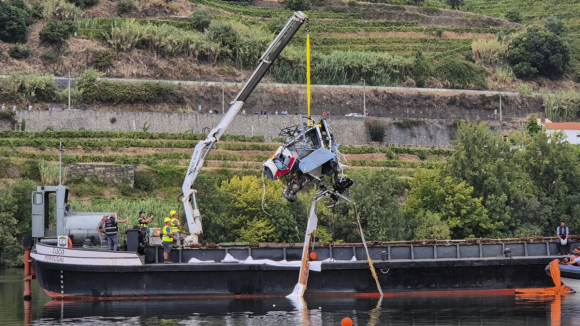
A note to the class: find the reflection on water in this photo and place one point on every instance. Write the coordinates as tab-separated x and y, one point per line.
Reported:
415	310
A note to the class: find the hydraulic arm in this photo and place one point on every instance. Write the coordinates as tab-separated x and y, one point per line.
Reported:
203	148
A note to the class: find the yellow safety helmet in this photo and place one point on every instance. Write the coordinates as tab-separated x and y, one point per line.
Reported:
172	213
167	219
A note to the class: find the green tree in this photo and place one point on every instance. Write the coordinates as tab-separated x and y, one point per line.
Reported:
455	3
15	220
422	69
539	52
432	192
428	225
375	193
556	26
277	222
532	126
552	164
13	23
201	17
57	32
484	160
514	16
418	2
297	5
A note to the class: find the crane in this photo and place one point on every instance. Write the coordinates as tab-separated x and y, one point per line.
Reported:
203	148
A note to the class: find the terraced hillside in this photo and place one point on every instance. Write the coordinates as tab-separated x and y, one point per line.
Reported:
21	152
377	41
531	10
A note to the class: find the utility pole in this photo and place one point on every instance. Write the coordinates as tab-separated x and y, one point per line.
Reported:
223	98
364	97
69	89
500	117
60	160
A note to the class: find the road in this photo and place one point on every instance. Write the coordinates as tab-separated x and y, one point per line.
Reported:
62	82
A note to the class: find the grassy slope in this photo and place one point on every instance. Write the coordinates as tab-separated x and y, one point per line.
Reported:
362	27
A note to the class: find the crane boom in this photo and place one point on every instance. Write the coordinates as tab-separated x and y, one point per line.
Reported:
203	148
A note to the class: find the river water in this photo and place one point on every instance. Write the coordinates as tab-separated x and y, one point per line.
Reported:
414	310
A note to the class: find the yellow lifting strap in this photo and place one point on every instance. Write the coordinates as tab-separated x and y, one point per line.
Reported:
370	261
308	71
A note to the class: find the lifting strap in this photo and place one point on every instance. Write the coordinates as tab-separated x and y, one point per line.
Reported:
308	72
371	266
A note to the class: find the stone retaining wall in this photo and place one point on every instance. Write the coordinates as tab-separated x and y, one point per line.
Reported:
110	174
347	130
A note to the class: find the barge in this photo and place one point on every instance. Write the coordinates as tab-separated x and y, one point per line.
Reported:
268	270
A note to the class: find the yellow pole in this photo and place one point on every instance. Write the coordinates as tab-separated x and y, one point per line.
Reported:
308	71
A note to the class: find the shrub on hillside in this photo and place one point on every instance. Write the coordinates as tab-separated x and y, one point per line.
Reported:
49	56
460	74
422	69
32	87
556	26
297	5
57	32
514	16
201	18
13	23
93	90
455	3
60	10
84	3
539	52
19	52
223	32
375	129
489	50
125	6
36	10
104	59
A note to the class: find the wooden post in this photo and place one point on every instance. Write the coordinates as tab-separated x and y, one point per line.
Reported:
27	276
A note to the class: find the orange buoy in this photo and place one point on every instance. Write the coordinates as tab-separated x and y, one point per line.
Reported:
312	255
346	321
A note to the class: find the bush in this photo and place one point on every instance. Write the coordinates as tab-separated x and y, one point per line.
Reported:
104	59
422	69
514	16
375	129
297	5
13	23
460	74
19	52
84	3
201	18
115	93
60	10
224	33
525	91
556	26
49	56
539	52
561	106
125	6
144	181
57	32
489	50
36	10
33	87
455	3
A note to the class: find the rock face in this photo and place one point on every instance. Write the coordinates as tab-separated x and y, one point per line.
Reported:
109	174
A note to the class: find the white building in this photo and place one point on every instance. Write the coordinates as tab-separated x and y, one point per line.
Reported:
571	129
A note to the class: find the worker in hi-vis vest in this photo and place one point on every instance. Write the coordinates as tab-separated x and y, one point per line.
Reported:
176	228
167	239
